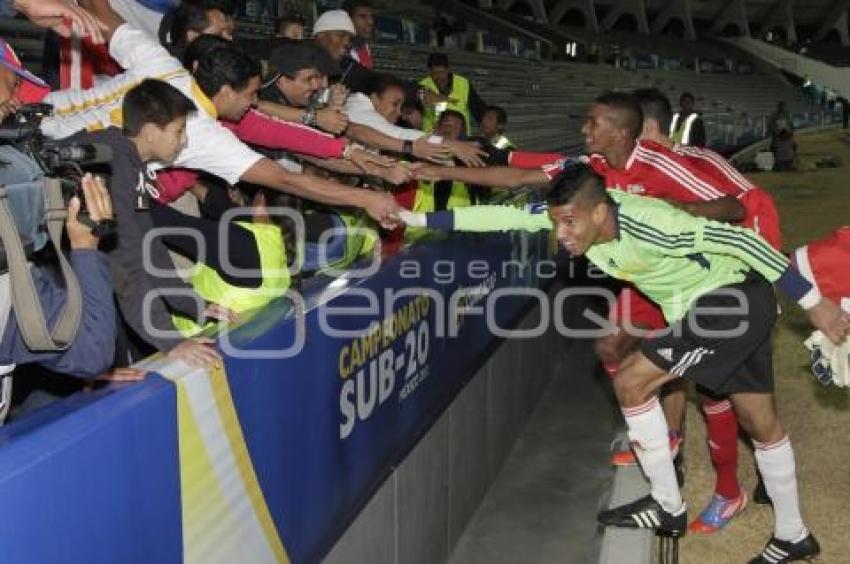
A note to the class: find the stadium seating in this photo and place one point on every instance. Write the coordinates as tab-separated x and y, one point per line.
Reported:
546	101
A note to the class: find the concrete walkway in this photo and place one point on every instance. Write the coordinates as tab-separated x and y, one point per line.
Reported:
542	506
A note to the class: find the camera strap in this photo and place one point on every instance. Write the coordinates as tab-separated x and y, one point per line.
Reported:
25	303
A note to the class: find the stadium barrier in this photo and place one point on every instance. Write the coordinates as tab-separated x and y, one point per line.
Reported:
270	458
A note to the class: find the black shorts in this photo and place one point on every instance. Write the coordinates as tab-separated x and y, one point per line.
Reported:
728	352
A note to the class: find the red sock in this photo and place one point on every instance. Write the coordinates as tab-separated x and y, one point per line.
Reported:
723	445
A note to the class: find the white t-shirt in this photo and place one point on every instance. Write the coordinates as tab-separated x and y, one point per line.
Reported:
360	110
211	147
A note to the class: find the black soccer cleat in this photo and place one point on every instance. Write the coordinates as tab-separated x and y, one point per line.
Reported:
646	513
780	551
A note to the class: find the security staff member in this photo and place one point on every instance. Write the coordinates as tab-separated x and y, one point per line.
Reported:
444	90
687	127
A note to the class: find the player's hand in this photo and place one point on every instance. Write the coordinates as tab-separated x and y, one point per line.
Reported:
831	320
383	208
58	14
332	120
198	351
99	206
413	219
434	152
471	154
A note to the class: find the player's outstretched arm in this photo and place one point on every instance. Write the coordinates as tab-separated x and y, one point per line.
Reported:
495	176
482	219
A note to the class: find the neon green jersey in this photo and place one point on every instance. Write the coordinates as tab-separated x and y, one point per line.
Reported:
670	255
674	257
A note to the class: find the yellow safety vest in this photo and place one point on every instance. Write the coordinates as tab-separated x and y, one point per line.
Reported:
360	237
275	280
682	134
425	200
459	93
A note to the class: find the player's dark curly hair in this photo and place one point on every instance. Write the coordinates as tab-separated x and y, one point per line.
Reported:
577	181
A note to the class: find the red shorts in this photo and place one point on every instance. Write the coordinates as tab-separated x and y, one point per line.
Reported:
639	310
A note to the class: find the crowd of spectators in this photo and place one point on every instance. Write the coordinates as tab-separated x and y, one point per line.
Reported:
203	134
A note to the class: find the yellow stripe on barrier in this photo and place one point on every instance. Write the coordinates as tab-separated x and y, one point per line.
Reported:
202	501
221	389
225	515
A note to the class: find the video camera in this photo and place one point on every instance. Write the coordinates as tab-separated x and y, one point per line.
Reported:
38	178
28	161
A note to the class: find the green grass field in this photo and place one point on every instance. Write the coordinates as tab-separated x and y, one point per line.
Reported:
811	203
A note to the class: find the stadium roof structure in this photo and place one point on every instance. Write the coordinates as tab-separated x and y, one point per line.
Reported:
815	20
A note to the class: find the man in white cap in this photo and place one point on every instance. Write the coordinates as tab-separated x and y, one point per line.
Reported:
334	32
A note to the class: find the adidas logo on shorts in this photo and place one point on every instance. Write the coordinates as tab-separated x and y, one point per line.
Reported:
666	354
689	359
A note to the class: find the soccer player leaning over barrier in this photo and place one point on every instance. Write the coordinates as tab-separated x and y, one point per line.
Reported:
688	265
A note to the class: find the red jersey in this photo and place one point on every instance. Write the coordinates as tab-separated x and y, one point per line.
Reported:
684	174
761	214
655	171
826	263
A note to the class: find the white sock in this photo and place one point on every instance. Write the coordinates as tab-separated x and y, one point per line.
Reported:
649	433
779	472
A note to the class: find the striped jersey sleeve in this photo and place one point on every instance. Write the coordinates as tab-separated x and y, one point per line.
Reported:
675	176
728	178
676	233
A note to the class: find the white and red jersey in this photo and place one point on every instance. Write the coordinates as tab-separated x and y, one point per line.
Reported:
656	171
825	264
761	214
684	174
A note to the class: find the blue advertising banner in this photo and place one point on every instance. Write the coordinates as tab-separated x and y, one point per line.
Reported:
269	459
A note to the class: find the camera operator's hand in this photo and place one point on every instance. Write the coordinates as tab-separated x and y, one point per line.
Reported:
332	119
56	14
99	208
9	107
198	351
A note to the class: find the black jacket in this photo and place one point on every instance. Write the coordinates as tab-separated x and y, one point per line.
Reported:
131	278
